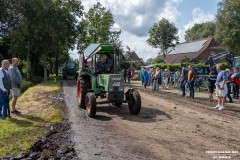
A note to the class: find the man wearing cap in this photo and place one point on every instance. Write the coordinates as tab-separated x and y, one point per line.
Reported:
5	86
16	81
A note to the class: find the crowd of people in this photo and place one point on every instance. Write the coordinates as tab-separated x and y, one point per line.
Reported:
219	80
10	81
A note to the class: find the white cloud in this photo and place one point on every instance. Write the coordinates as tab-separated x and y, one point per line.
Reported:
135	17
170	11
198	16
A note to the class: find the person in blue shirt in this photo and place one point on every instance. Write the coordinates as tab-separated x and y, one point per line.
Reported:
183	79
142	75
221	87
228	85
146	77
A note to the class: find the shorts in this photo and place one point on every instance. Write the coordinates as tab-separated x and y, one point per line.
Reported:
211	89
221	93
16	92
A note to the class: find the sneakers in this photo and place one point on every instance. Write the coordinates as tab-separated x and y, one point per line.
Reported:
221	108
217	106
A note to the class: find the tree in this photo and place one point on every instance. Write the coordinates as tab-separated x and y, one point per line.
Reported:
46	29
162	35
158	59
199	31
149	61
114	38
227	25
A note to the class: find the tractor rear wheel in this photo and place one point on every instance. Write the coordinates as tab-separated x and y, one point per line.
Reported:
81	91
91	104
134	102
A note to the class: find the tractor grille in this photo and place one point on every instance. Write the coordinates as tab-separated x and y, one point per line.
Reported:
116	83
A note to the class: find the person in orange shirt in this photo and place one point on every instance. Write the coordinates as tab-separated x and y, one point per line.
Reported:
191	80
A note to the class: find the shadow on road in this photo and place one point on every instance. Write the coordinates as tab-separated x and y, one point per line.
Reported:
102	118
147	115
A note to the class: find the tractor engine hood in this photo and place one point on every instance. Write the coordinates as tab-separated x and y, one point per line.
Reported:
111	82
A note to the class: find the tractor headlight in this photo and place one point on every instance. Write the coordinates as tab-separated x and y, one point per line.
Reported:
120	88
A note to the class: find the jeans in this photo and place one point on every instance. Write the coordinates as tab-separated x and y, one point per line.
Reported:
229	91
183	83
4	103
145	83
129	79
191	88
142	79
155	85
235	90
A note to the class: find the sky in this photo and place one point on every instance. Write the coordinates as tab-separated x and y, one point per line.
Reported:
135	17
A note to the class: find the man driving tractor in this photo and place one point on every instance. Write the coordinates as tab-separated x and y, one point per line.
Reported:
105	65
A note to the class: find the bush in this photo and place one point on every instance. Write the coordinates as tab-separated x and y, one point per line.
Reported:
26	85
36	79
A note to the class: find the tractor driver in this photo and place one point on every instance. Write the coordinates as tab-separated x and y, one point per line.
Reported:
101	65
110	62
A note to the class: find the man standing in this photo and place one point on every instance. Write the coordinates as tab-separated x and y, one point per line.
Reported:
183	79
235	85
129	74
5	86
16	81
191	79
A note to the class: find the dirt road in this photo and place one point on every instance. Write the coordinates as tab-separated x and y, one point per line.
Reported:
168	127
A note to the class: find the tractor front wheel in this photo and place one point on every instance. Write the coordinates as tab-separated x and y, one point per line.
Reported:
134	102
81	91
91	105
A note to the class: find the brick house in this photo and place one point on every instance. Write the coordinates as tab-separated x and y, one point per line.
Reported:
195	51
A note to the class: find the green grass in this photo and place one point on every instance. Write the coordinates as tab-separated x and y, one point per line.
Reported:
39	110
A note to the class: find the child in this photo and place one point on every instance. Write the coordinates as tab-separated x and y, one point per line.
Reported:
211	85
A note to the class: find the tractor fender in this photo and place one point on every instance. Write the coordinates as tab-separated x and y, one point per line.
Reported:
129	91
90	90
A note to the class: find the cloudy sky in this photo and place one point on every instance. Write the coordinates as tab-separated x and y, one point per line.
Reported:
135	17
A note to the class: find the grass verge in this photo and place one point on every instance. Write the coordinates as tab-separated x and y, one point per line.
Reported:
40	106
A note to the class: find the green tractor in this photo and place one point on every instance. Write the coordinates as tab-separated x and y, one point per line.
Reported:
100	77
69	69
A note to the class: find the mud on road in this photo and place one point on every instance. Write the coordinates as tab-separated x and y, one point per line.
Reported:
168	127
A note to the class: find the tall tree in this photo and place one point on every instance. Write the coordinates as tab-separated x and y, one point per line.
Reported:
46	29
95	27
199	31
162	35
228	22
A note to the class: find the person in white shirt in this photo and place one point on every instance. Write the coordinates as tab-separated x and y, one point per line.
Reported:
5	86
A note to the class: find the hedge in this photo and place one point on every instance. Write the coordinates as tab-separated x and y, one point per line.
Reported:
174	67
